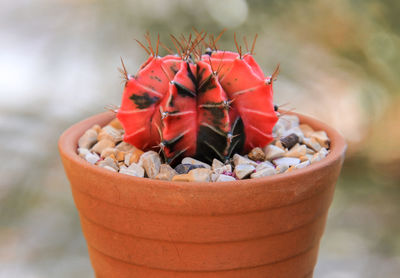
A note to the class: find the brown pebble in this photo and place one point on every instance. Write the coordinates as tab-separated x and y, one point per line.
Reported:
107	152
125	147
135	156
257	154
166	173
322	138
196	175
88	139
108	132
290	140
102	145
297	151
115	123
120	155
96	128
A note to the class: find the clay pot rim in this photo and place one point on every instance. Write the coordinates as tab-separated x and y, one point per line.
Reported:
68	144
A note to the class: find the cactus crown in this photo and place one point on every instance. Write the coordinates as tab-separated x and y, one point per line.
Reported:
205	104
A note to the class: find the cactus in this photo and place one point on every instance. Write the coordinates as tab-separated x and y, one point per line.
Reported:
206	106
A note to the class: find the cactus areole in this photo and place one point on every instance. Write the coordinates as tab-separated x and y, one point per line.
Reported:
206	106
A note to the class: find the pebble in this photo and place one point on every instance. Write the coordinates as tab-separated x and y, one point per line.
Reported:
189	160
290	140
108	161
195	175
281	168
110	168
272	152
225	178
312	143
96	128
83	152
115	123
294	130
302	164
263	165
240	160
92	158
243	170
185	168
125	147
166	173
257	154
289	161
279	145
321	137
224	168
88	139
151	163
319	155
133	170
297	151
108	132
134	156
263	173
120	156
214	177
108	151
216	164
102	145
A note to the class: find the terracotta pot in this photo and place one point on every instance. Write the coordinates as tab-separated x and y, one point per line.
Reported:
266	227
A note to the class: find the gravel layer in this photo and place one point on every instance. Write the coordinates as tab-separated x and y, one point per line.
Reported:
295	146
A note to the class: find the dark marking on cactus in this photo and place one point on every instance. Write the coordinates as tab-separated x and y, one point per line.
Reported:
183	91
153	77
200	73
208	84
171	102
190	74
143	101
217	111
209	144
170	144
174	69
238	137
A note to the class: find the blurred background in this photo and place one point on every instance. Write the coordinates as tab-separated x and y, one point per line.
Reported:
340	62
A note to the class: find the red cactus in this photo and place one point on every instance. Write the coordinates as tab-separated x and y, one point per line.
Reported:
215	105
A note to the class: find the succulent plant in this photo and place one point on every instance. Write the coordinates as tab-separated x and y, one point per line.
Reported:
204	105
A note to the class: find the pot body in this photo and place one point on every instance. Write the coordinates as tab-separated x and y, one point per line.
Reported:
266	227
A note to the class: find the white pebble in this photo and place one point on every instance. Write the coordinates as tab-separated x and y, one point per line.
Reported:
225	168
302	165
92	158
265	164
289	161
243	170
133	170
272	152
263	173
216	164
225	178
151	162
192	161
281	168
109	168
238	159
83	152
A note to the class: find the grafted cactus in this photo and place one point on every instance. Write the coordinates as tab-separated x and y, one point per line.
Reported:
206	106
